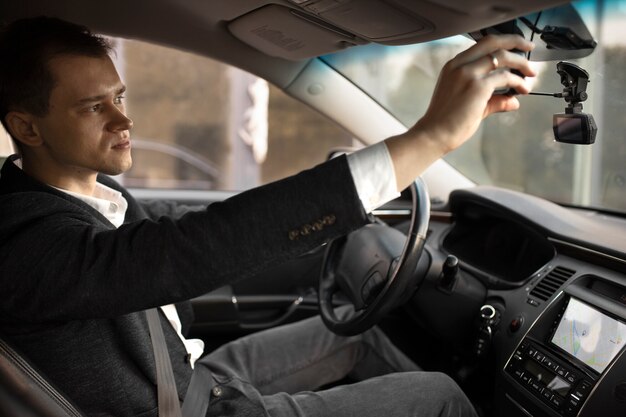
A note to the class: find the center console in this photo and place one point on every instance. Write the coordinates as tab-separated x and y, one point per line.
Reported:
557	383
571	362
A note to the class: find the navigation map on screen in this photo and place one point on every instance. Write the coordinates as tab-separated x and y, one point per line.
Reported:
588	335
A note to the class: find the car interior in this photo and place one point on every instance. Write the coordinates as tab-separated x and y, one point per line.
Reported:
517	293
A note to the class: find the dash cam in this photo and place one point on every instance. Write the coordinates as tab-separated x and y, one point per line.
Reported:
574	126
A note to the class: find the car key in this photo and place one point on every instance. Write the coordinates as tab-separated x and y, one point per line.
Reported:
485	332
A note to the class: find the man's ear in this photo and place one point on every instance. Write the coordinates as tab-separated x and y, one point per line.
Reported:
23	128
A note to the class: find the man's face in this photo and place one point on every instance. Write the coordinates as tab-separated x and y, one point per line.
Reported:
86	130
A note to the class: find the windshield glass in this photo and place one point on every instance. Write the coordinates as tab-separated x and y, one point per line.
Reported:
517	150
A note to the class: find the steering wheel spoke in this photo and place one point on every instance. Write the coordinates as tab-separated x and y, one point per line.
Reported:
374	267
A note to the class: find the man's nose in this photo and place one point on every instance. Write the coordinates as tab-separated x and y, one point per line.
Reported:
120	122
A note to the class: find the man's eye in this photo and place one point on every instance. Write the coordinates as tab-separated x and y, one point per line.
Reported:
95	108
119	99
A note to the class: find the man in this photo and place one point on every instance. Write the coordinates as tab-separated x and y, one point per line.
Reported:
90	259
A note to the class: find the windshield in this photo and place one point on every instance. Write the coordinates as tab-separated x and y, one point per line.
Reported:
517	150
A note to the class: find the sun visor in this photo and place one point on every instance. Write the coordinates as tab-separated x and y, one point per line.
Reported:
289	33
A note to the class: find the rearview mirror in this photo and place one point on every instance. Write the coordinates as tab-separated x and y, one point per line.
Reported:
558	33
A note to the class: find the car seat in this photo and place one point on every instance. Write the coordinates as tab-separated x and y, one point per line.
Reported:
24	392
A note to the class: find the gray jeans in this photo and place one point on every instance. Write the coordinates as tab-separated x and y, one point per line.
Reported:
276	372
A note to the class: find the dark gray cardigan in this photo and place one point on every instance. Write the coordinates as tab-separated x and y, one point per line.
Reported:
73	288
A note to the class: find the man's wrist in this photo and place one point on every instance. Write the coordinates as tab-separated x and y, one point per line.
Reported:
432	136
412	153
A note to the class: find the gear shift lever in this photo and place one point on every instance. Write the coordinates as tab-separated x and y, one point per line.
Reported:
449	273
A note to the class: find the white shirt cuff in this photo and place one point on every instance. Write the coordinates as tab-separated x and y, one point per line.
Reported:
374	176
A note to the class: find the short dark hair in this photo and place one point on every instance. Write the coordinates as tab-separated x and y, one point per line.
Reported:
26	47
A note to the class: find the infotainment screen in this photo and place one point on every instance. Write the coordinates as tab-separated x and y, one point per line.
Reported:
589	335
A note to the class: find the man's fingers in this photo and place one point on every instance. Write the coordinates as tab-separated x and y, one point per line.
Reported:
496	66
490	44
501	103
504	78
482	62
507	59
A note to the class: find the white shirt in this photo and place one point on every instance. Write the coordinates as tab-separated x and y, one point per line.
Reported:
374	178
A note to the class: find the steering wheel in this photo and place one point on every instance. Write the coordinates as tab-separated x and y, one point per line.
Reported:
375	267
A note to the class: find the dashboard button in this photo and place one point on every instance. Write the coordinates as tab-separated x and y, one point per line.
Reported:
516	324
536	386
539	356
562	372
547	362
557	401
572	402
582	389
532	302
547	394
579	394
571	378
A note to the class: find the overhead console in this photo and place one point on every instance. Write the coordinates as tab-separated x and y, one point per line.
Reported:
308	28
571	362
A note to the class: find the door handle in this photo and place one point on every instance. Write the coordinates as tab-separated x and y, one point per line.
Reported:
288	311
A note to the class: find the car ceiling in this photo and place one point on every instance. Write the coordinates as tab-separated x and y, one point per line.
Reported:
287	33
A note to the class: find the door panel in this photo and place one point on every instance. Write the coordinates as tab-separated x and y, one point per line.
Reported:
280	295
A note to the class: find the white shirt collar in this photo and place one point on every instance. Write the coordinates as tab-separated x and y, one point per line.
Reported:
107	201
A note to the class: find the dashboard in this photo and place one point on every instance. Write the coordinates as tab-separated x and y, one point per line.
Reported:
554	282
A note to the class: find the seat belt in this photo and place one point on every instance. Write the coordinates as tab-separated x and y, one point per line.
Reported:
168	403
200	387
199	392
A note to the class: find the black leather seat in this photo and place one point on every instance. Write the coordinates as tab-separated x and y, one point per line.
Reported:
24	392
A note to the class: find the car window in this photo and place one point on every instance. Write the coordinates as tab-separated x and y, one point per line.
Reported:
517	150
200	124
6	146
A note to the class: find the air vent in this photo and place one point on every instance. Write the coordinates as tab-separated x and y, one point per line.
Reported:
551	282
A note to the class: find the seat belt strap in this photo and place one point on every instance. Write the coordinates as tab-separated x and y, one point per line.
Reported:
199	392
169	405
